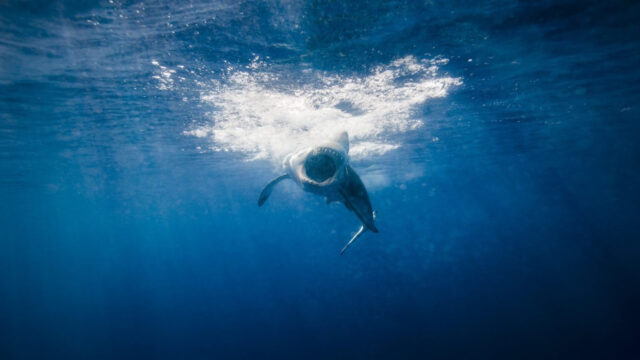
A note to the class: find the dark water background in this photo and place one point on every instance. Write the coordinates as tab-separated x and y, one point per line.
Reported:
120	238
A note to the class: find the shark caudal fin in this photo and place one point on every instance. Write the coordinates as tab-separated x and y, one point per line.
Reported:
264	195
361	231
357	235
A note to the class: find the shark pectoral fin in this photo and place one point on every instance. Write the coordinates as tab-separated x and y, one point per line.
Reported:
357	235
357	199
264	195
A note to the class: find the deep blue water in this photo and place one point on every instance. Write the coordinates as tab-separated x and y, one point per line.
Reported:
135	138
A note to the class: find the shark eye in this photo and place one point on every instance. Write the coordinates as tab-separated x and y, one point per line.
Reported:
320	167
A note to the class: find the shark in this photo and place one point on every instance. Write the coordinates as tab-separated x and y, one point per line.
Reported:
324	170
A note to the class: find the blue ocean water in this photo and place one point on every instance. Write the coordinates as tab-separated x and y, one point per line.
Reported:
499	141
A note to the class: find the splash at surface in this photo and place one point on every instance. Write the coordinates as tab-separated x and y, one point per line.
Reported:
258	115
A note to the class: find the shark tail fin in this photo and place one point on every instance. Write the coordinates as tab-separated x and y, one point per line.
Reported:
361	231
357	235
264	195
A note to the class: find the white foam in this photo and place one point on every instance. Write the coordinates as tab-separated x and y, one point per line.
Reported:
259	115
163	75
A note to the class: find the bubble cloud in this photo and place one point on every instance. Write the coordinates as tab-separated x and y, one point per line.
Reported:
257	116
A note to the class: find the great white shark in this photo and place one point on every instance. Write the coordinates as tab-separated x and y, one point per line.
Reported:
324	170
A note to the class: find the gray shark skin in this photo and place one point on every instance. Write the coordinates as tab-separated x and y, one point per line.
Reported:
324	170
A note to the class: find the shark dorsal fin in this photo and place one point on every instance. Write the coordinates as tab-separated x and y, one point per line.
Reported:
342	139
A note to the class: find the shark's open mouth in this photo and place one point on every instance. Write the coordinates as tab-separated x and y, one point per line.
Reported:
322	164
320	167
